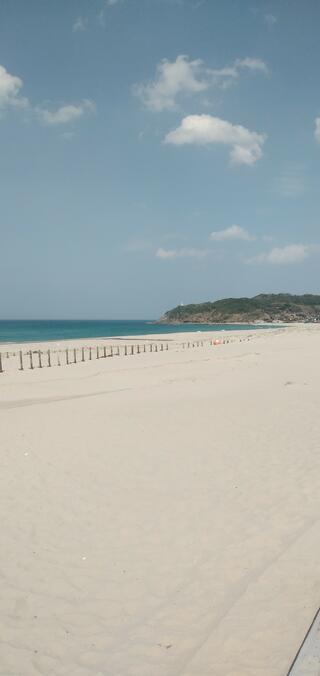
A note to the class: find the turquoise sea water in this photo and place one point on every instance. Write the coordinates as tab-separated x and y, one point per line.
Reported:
24	331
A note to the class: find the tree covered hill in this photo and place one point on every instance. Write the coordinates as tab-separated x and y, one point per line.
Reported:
280	307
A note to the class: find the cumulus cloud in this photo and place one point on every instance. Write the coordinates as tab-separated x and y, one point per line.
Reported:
245	145
233	232
79	25
183	76
65	114
171	79
228	73
287	255
317	129
181	253
10	86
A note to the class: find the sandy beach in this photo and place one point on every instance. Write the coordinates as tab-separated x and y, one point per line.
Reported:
160	512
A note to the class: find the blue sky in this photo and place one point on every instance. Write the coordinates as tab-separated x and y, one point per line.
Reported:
155	152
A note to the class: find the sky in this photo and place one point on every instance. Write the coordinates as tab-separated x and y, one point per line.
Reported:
156	152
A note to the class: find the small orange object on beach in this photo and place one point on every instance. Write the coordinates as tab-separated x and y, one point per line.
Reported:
217	341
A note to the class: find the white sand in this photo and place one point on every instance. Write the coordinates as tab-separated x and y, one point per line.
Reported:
160	513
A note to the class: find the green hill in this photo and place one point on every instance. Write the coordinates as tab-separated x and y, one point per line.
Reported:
280	307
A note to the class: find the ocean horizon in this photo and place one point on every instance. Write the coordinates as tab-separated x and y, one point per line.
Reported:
40	330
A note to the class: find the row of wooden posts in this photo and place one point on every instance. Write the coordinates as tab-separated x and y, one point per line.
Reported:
39	359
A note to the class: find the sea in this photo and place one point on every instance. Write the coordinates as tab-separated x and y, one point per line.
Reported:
29	331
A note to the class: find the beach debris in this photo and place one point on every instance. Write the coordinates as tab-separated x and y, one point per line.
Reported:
84	558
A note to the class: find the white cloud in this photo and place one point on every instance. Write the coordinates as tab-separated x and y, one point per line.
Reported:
246	145
233	232
228	73
172	78
181	253
10	86
183	76
287	255
80	24
252	64
65	114
317	129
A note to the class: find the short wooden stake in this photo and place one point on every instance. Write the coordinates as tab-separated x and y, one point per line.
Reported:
156	347
167	346
144	347
58	357
104	351
125	350
90	353
67	356
40	362
1	367
82	353
31	360
74	356
49	358
118	351
98	352
150	347
21	361
138	349
111	351
132	349
161	348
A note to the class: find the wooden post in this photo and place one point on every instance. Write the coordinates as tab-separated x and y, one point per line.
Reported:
144	347
74	356
31	361
167	346
156	347
98	352
150	347
188	344
67	356
132	349
161	348
118	351
21	361
58	355
90	353
104	351
125	350
1	368
39	355
49	358
138	349
82	351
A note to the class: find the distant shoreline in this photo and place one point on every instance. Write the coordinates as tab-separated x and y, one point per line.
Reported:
37	331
